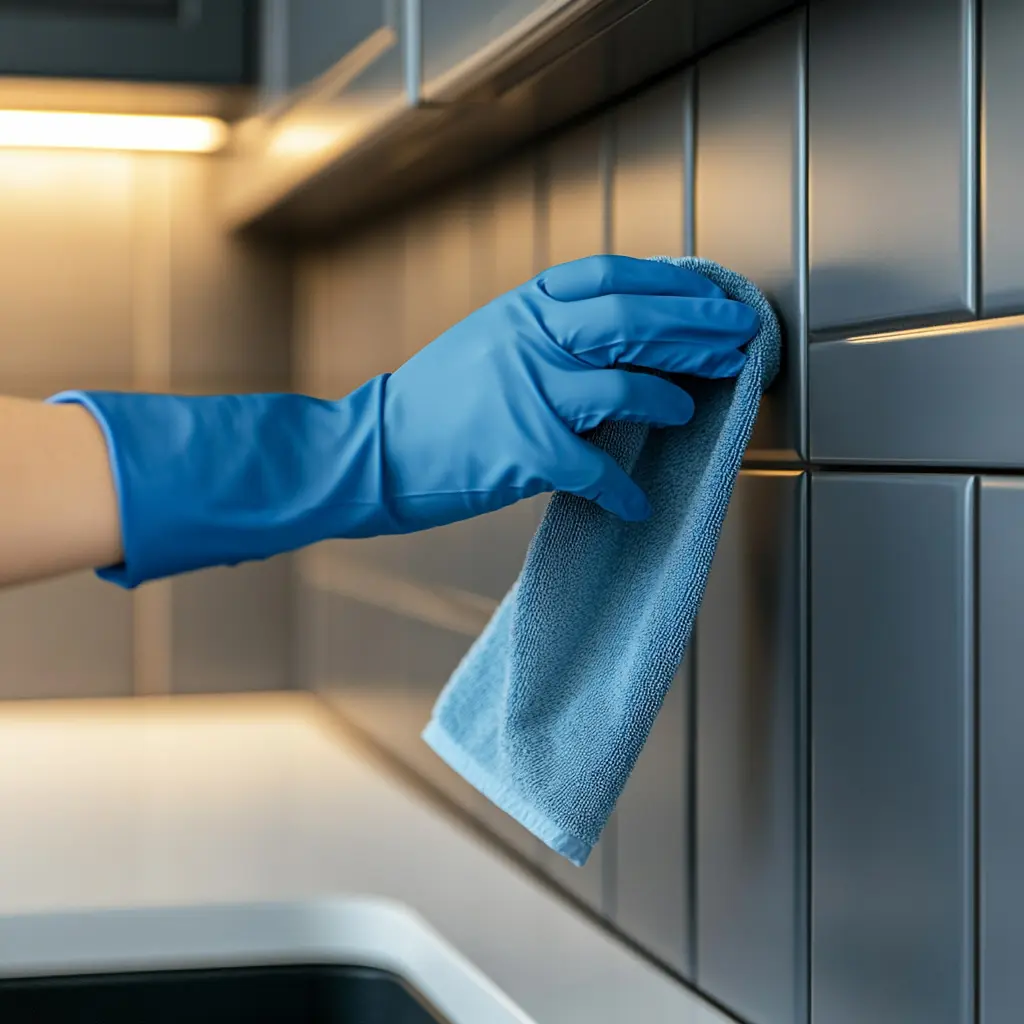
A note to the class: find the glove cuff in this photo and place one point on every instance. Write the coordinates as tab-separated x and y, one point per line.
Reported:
218	480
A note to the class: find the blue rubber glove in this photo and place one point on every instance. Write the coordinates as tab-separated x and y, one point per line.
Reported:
487	414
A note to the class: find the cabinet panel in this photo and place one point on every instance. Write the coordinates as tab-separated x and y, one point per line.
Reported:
1001	710
384	670
200	41
649	208
716	21
348	312
945	396
70	637
749	192
652	849
456	30
891	137
891	704
320	34
507	256
576	171
230	629
751	771
1002	210
230	299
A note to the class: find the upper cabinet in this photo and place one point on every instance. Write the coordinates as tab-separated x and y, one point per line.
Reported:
1002	213
749	197
182	41
369	104
336	49
319	34
891	135
457	32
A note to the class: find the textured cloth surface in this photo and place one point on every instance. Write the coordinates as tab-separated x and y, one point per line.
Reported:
549	710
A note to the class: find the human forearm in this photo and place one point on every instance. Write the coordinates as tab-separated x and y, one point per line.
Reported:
58	511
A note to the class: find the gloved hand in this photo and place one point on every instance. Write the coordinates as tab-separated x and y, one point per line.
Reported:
487	414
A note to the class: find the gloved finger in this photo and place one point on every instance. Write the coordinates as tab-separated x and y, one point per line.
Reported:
593	276
696	336
593	396
594	474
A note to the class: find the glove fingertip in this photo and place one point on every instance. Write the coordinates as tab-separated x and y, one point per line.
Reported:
631	506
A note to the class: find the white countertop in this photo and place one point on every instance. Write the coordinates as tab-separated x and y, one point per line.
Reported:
256	819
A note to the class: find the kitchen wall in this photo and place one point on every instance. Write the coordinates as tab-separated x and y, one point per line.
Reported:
703	863
113	274
861	161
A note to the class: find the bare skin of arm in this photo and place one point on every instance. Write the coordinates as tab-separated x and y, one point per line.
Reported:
58	509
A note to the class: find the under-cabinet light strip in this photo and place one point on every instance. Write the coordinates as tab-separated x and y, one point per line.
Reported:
44	129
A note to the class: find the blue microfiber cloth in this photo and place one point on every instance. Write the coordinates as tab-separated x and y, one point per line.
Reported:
550	708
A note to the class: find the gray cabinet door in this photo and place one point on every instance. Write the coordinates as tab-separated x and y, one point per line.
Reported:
1001	728
749	205
717	21
66	638
195	41
1002	211
891	140
458	30
319	34
382	661
651	901
574	199
947	396
751	772
891	724
651	183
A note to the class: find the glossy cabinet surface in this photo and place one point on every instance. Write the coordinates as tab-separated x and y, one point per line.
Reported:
891	746
458	30
202	41
749	198
320	34
1001	763
651	169
891	132
1002	210
751	770
941	396
652	895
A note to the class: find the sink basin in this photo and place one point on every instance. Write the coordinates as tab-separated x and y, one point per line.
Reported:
343	960
276	994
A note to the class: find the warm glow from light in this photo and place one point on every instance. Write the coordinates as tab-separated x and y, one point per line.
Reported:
304	139
38	129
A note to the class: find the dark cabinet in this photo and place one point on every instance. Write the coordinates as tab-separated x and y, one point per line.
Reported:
187	41
652	153
891	137
749	197
651	888
892	702
455	31
320	34
1002	210
1001	762
751	772
947	396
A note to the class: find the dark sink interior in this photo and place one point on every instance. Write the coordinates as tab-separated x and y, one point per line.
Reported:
278	994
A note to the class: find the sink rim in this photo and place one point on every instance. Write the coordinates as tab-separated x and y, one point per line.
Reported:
355	930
